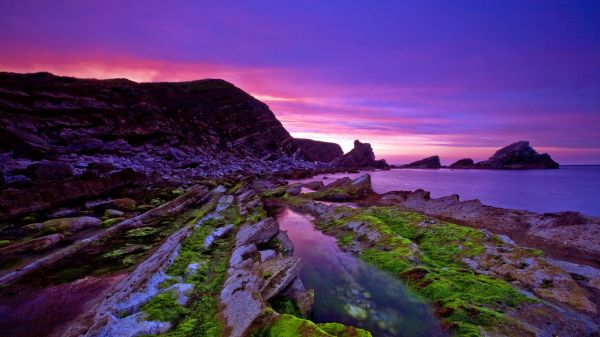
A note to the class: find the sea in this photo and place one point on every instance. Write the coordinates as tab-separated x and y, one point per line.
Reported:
569	188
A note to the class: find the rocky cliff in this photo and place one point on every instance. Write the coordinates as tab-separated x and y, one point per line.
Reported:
46	116
315	150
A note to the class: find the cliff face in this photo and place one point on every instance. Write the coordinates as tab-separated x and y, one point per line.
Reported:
44	116
314	150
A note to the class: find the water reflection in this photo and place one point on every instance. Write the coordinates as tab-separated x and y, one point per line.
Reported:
352	292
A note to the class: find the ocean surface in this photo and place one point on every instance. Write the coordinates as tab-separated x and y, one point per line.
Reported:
570	188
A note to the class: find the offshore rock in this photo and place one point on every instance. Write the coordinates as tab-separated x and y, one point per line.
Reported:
466	163
361	156
432	162
519	155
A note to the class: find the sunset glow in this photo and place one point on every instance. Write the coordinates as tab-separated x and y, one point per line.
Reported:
408	79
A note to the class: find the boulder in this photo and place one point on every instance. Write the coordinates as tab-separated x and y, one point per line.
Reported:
519	155
278	273
432	162
314	185
260	232
294	189
313	150
72	225
463	164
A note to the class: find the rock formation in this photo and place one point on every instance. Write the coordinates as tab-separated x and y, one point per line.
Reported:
314	150
432	162
463	164
361	156
519	155
516	156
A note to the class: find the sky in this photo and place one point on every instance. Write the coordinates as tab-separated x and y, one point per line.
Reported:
453	78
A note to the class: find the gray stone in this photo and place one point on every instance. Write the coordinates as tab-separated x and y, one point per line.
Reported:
260	232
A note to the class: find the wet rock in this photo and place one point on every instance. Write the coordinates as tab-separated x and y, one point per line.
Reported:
260	232
294	189
65	224
131	326
267	254
35	245
217	234
240	253
432	162
314	185
113	213
286	246
278	273
345	189
241	290
304	299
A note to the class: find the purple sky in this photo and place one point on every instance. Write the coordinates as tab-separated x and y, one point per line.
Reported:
453	78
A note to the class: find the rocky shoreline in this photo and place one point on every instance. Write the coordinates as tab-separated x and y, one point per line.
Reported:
401	232
148	208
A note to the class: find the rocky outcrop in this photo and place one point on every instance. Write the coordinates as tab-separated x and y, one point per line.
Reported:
315	150
361	156
566	235
344	189
463	164
519	155
253	279
432	162
516	156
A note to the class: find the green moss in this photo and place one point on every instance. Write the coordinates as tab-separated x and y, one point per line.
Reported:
164	308
275	192
30	218
257	215
109	222
340	330
142	231
285	306
392	261
467	301
4	242
346	239
176	192
237	187
292	326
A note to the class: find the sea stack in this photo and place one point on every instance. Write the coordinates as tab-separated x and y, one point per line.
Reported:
432	162
518	156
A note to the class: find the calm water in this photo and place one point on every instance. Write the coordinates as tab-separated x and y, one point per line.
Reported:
570	188
349	291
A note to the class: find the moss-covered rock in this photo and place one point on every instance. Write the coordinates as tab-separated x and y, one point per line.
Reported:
292	326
